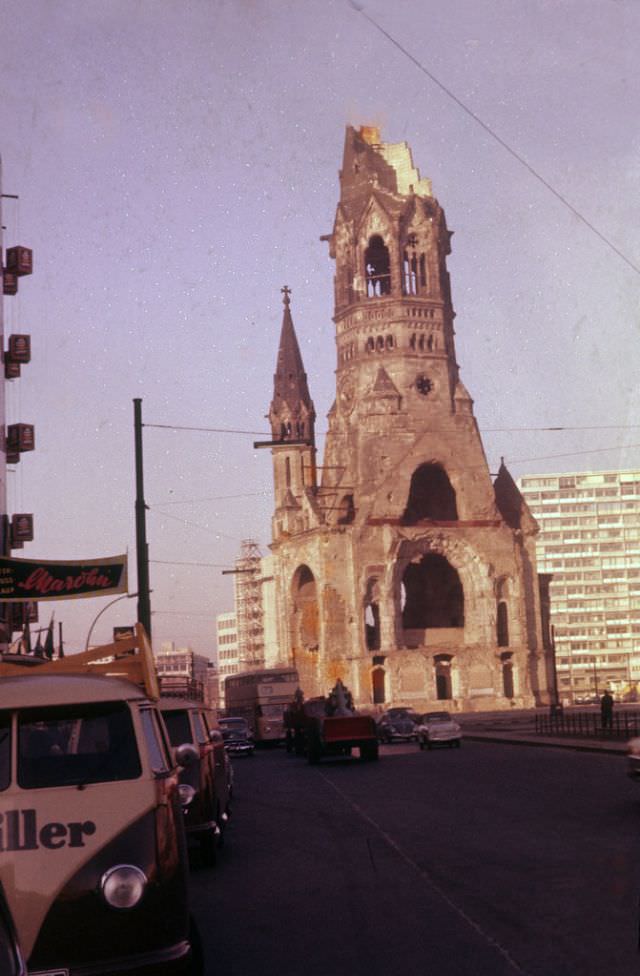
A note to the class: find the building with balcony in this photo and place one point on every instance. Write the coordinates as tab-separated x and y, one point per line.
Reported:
589	542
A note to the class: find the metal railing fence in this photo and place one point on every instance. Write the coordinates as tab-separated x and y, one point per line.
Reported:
624	725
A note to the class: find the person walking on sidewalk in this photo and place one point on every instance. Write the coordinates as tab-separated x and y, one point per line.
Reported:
606	709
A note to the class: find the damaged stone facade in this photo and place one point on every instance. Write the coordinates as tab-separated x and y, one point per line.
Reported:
400	567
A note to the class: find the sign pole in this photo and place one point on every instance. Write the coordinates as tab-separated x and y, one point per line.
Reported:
142	549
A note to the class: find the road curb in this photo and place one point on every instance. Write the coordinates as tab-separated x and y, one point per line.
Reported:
577	746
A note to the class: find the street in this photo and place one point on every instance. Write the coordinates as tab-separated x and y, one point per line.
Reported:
491	859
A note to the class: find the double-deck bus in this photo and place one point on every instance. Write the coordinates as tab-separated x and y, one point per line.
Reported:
261	698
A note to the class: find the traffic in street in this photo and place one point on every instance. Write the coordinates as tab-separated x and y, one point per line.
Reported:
489	859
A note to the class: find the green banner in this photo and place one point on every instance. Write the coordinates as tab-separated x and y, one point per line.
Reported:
38	579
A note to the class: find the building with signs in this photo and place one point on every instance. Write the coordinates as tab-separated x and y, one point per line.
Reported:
400	565
589	543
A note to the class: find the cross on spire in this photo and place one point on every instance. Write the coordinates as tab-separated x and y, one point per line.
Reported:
286	291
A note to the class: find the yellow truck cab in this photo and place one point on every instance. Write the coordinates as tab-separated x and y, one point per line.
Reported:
93	864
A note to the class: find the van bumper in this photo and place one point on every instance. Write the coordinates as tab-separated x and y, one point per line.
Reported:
177	960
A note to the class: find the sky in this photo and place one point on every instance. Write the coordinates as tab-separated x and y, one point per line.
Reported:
177	162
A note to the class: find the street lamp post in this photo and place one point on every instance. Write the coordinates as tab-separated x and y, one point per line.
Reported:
124	596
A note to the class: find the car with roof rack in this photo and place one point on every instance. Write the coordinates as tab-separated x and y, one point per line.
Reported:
93	861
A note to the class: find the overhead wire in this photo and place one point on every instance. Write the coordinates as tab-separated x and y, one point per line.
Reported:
359	8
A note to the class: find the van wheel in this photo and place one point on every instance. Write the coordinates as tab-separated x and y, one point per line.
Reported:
208	852
197	956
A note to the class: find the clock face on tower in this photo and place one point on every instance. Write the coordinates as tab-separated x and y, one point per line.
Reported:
423	384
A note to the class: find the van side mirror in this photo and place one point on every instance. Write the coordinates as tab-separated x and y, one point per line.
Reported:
186	755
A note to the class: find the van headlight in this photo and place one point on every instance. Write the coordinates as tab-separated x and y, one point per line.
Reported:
123	886
186	794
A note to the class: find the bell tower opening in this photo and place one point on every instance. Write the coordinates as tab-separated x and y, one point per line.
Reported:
431	496
377	268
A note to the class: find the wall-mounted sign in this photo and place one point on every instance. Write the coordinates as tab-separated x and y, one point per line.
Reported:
19	348
20	260
20	437
11	370
124	633
31	579
21	528
9	282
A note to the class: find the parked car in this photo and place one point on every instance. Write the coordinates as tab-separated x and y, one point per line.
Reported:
398	725
633	759
237	736
93	861
439	728
205	784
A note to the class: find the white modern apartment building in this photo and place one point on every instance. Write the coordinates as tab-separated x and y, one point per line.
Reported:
590	542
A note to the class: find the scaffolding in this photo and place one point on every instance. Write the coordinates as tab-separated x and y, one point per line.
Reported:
249	609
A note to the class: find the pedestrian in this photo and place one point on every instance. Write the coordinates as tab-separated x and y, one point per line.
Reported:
606	709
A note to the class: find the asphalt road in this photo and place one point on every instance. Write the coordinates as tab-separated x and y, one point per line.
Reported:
492	859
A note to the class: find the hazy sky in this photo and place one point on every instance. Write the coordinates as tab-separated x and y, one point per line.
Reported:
177	162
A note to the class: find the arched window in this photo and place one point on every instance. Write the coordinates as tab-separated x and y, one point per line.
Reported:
409	273
287	471
431	496
346	510
433	594
377	268
372	615
507	675
502	626
423	272
442	664
306	624
378	683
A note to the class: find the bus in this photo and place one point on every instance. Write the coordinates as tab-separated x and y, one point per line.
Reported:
261	698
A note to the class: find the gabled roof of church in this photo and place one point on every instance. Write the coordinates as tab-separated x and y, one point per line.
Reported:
290	380
511	503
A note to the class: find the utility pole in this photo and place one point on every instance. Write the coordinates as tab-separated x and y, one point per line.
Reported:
142	549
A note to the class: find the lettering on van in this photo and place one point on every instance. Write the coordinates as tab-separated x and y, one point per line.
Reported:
19	831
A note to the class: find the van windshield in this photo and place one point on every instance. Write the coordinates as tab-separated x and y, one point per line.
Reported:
73	745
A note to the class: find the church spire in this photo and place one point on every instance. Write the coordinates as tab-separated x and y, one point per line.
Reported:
292	414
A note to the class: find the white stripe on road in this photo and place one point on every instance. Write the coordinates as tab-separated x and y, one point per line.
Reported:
427	878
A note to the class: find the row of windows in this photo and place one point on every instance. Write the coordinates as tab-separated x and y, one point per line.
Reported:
231	638
569	481
385	343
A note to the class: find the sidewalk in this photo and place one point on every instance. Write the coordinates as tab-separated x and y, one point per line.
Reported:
519	729
514	737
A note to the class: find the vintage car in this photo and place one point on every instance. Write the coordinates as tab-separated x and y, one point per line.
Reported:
439	729
237	736
205	784
398	725
93	863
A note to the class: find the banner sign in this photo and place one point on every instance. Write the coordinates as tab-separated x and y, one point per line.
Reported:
31	579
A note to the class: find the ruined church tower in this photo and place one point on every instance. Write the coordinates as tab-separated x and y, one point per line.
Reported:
401	567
